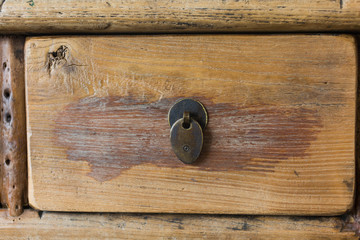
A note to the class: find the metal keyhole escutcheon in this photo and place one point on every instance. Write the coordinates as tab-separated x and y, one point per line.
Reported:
188	119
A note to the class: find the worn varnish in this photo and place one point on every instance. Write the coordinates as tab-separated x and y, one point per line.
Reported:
246	134
51	225
115	16
13	175
280	138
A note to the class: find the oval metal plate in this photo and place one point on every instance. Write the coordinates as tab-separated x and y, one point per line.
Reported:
186	142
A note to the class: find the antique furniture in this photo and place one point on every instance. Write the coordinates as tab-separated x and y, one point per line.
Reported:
192	119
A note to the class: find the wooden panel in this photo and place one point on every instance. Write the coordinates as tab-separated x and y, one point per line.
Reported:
95	16
48	225
280	138
12	126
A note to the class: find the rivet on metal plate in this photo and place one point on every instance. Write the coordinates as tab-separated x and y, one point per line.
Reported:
187	118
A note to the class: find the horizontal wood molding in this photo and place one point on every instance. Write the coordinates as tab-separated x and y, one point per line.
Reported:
280	138
50	225
142	16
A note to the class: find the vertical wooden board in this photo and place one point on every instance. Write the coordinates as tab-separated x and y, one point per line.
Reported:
12	125
280	138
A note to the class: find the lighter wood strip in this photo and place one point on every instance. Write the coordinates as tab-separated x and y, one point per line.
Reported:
115	16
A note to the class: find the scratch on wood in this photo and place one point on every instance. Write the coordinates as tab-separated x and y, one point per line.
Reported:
107	26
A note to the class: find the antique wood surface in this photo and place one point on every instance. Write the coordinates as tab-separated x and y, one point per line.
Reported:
280	138
353	218
48	225
95	16
13	177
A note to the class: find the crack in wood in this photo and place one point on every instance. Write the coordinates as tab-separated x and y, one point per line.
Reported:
1	4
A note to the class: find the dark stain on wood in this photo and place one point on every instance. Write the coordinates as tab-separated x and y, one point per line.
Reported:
242	227
19	55
114	134
40	213
349	184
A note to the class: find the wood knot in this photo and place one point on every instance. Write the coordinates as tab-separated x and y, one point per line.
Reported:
57	58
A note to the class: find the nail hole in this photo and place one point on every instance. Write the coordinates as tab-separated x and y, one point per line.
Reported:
13	186
4	65
7	162
186	125
17	207
8	117
6	93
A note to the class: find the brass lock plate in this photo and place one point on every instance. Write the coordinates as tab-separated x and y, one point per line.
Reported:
187	118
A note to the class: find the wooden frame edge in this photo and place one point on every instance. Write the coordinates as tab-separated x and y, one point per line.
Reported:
352	219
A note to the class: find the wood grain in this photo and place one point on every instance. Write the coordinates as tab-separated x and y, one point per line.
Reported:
125	16
49	225
353	217
12	127
280	138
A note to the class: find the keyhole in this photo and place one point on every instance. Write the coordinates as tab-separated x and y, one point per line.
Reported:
186	148
186	125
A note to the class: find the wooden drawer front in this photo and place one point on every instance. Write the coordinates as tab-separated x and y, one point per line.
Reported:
280	137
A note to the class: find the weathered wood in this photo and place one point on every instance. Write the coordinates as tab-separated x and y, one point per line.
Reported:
13	128
47	225
352	221
280	138
95	16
